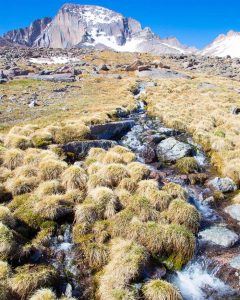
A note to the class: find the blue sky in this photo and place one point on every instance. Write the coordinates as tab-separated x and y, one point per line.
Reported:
193	22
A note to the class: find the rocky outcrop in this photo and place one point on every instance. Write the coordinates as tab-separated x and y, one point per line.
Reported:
161	73
27	36
5	43
111	131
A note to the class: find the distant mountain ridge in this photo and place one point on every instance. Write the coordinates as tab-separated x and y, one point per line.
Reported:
96	27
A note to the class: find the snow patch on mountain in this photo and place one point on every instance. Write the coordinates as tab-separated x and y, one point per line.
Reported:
54	60
224	45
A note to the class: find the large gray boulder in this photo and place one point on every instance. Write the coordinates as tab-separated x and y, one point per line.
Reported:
220	236
171	150
161	73
233	211
223	185
113	130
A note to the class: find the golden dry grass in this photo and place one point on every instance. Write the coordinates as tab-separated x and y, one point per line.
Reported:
205	113
91	99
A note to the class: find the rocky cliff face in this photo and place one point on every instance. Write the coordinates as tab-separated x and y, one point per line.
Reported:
89	26
77	25
27	36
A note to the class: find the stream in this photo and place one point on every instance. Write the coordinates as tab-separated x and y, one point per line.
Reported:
200	278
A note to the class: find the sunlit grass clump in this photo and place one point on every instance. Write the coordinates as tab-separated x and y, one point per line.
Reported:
160	290
43	294
187	165
182	213
28	278
126	262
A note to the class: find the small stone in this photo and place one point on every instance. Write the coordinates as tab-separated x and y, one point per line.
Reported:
104	67
32	104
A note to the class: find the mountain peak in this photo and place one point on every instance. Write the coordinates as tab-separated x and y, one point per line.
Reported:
96	27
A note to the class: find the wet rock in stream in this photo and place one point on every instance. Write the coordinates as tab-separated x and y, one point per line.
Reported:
233	211
171	150
220	236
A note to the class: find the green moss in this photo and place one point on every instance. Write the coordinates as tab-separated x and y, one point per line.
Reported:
41	142
22	208
18	201
28	278
49	225
220	133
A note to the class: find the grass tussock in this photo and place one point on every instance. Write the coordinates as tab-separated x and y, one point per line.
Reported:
52	207
105	200
74	177
47	188
96	254
128	184
42	139
43	294
175	190
28	278
182	213
75	196
22	185
125	264
17	141
71	132
112	174
160	290
6	217
172	243
143	208
138	171
13	158
51	169
86	213
187	165
7	243
5	270
22	208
